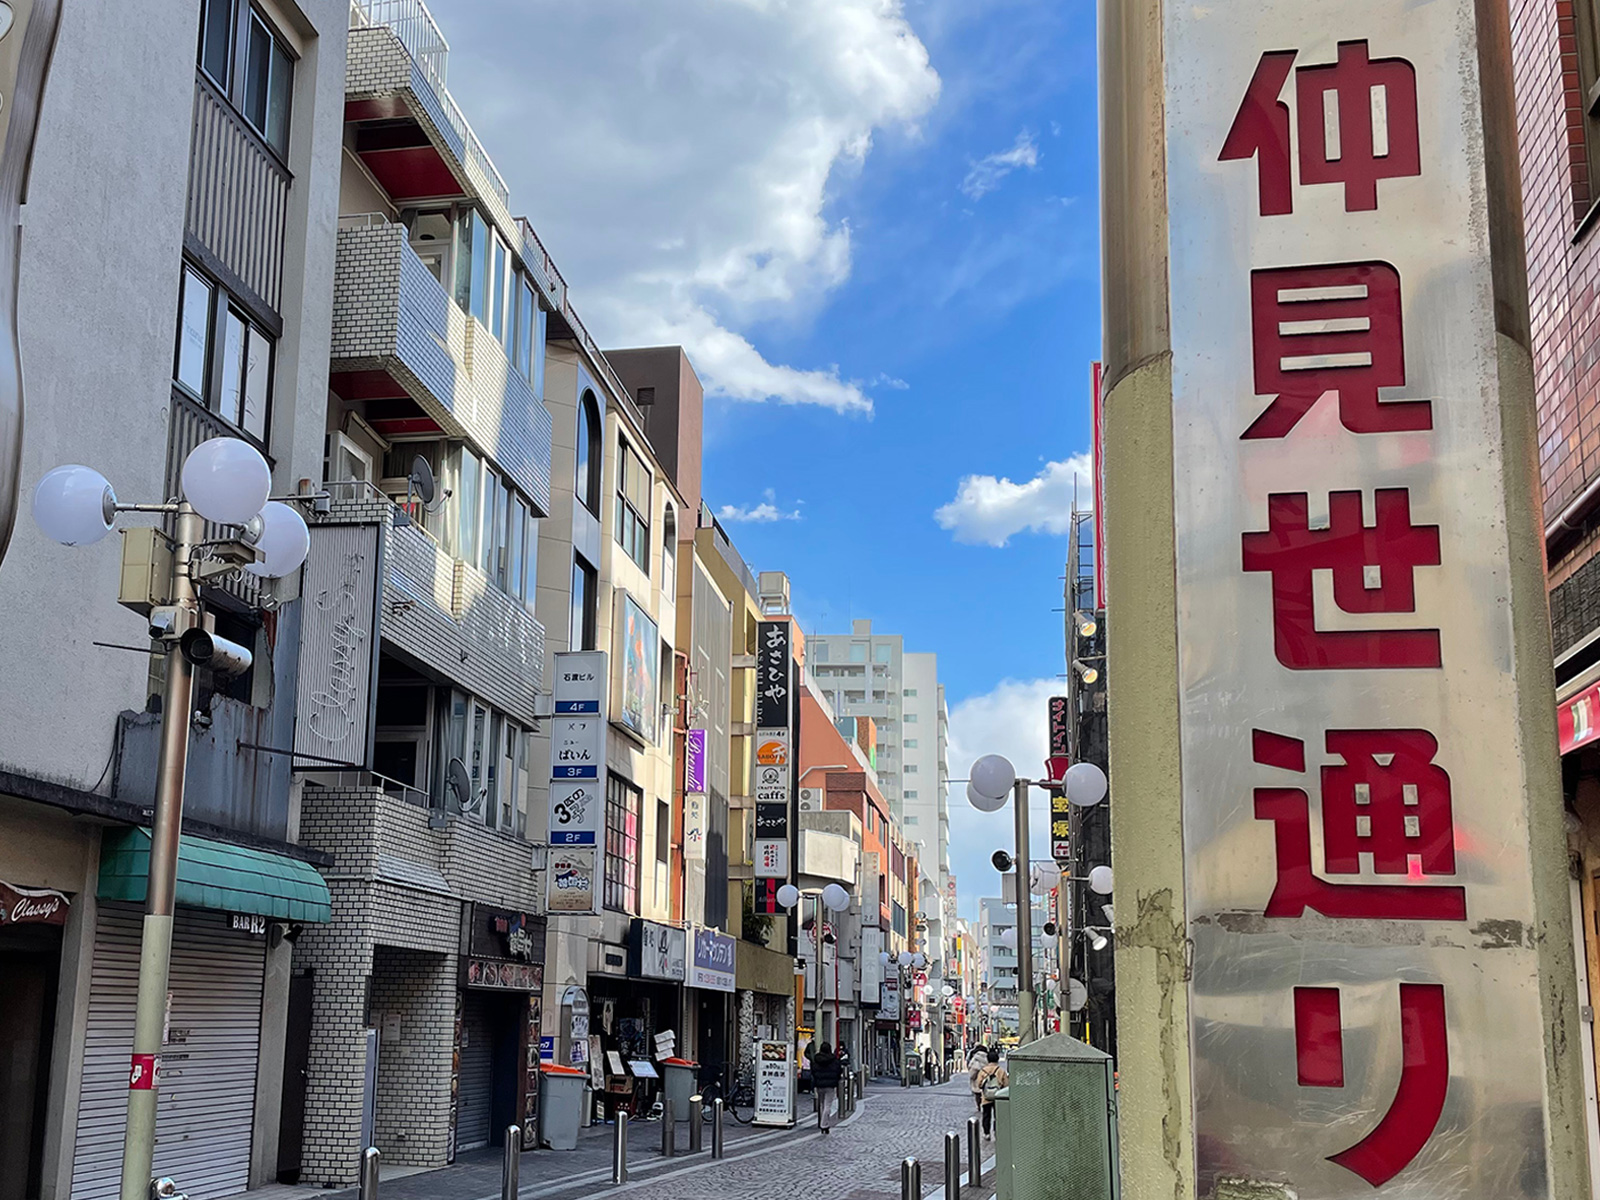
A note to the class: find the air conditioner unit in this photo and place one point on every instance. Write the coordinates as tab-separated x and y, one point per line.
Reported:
810	799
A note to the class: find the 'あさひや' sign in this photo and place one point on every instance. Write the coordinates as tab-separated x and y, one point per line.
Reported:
1352	761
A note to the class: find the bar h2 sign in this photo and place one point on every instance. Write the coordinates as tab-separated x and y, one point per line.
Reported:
577	781
1352	766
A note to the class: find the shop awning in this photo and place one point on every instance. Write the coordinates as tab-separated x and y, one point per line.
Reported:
218	876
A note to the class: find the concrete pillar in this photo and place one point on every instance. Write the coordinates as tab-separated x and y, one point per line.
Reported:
1158	925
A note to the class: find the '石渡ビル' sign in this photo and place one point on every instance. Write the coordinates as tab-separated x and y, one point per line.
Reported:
1351	757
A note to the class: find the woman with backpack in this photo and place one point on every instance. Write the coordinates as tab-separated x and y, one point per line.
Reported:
987	1078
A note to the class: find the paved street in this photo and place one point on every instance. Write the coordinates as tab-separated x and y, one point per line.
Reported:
858	1160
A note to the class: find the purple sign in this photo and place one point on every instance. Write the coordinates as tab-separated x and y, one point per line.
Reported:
715	956
694	770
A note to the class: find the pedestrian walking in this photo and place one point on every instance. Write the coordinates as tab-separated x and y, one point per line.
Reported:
825	1075
987	1078
930	1067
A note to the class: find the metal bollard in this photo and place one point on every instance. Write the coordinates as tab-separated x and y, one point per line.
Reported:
974	1152
910	1180
669	1130
511	1164
716	1128
952	1165
696	1116
619	1149
369	1173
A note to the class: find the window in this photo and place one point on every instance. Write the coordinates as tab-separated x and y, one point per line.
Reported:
532	322
260	81
633	505
622	845
663	832
911	743
908	820
669	552
910	718
581	632
469	510
911	768
880	652
499	293
858	652
587	485
911	794
909	692
223	358
819	652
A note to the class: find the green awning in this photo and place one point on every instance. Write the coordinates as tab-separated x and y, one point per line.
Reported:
217	875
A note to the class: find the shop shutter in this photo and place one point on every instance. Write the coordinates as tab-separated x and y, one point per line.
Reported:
208	1072
477	1076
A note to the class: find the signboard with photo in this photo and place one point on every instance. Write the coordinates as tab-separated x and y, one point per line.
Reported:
774	1084
657	951
639	656
571	887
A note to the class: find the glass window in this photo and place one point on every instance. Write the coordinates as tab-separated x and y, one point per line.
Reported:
216	40
669	552
880	652
194	332
268	82
230	392
911	794
498	268
257	383
470	500
663	832
490	560
910	718
622	845
858	652
530	560
910	692
819	652
908	820
633	505
911	743
911	768
480	270
587	485
468	223
581	632
517	530
527	311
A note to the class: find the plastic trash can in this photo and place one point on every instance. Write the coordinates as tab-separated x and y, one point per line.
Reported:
679	1081
560	1105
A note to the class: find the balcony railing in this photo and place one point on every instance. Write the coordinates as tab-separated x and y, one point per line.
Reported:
414	26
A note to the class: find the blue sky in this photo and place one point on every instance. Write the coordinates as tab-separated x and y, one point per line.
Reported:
875	228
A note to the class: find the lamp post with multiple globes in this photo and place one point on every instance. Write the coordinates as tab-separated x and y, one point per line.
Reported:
225	481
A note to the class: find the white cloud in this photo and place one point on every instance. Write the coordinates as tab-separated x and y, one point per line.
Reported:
676	159
1012	720
989	170
760	513
989	510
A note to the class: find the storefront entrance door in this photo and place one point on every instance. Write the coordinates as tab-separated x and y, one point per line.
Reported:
30	958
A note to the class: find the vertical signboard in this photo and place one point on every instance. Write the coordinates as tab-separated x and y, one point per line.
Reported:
774	1084
577	781
1097	473
694	795
774	750
335	714
1353	815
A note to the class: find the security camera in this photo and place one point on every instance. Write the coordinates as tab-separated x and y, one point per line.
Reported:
1001	861
164	622
205	649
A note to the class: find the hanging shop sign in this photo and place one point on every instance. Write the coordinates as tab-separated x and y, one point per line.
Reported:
32	906
774	1084
889	997
715	957
694	761
1355	786
657	951
577	780
338	672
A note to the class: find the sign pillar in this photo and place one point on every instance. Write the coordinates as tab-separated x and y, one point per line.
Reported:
1338	765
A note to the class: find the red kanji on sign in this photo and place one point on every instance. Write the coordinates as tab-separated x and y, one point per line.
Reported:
1368	133
1372	569
1424	1074
1334	328
1366	811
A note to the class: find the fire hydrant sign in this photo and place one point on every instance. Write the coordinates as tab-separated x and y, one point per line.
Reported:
1363	1006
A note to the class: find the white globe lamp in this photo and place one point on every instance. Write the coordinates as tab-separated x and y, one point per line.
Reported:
993	776
788	895
984	803
74	505
226	480
1049	872
1100	880
1086	784
905	958
835	898
919	960
284	542
1008	939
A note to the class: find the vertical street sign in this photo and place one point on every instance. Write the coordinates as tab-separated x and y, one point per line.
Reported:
775	755
1365	1007
577	782
1060	759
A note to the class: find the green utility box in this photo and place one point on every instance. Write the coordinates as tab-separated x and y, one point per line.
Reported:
1002	1145
1062	1122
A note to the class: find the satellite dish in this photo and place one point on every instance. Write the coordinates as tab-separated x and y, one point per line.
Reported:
423	485
459	782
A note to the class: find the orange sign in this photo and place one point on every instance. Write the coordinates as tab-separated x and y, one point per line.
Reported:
772	754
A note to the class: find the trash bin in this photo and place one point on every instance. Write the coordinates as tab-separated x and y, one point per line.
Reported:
560	1105
679	1081
913	1069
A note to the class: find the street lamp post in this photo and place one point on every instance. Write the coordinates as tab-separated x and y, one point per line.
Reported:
835	898
992	777
226	481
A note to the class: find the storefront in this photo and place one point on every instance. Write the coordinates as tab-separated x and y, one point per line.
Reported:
764	980
31	921
231	903
712	975
499	1020
628	1015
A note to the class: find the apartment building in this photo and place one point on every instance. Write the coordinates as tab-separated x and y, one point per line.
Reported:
426	991
211	321
1556	64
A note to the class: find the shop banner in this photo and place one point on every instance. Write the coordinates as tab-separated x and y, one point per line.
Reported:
657	951
774	1084
774	742
694	761
871	965
32	906
889	997
577	781
715	954
694	826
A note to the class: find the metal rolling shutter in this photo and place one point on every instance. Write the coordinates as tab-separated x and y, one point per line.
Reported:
208	1071
477	1076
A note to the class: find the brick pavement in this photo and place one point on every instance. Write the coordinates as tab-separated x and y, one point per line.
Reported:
858	1160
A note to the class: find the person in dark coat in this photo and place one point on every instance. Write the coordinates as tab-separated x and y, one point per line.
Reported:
826	1072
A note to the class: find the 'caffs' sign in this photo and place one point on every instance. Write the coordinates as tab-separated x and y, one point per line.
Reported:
32	906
